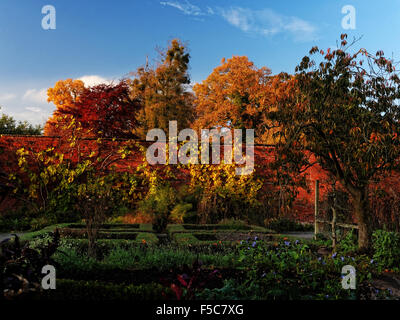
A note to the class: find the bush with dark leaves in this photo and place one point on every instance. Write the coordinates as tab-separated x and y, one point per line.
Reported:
21	267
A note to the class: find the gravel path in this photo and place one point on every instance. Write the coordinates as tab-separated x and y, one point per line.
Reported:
300	235
4	236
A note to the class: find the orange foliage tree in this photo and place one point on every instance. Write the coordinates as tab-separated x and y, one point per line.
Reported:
65	95
235	95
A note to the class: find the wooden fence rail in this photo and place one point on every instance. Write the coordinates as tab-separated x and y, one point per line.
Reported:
334	224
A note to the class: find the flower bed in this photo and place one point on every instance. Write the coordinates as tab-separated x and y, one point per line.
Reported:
221	265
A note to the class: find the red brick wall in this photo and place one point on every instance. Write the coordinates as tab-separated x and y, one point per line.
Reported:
304	204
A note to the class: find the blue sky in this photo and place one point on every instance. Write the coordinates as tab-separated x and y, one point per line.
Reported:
102	40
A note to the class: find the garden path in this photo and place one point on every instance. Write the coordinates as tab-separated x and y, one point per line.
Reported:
4	236
299	235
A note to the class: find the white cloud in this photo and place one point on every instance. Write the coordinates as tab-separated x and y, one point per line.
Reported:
21	110
264	22
31	104
36	95
238	17
34	109
93	80
187	8
7	96
210	10
267	22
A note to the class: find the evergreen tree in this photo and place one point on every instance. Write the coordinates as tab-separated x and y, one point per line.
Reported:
163	91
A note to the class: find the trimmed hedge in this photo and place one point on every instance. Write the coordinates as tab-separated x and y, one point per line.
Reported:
138	238
135	233
117	228
184	239
32	235
81	290
81	234
135	227
106	226
287	225
204	228
206	234
149	238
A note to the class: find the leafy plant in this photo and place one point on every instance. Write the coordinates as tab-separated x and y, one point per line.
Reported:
222	194
94	201
348	243
160	203
291	270
386	249
21	266
192	280
180	212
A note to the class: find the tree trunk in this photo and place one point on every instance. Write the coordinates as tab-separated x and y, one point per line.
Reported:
362	213
91	245
91	230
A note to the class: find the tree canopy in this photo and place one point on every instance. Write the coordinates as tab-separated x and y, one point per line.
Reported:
104	110
163	91
65	95
235	95
344	112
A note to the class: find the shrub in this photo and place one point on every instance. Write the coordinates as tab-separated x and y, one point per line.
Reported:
164	206
15	220
348	243
291	270
126	255
21	267
180	212
386	249
222	194
234	224
229	291
158	204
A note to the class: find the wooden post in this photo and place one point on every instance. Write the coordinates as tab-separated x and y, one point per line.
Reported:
333	228
333	225
316	208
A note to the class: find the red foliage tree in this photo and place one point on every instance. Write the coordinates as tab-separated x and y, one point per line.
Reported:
104	110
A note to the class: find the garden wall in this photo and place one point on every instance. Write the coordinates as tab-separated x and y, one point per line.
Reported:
303	208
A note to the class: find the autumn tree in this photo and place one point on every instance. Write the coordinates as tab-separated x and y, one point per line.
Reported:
345	116
65	95
235	95
104	110
163	91
108	110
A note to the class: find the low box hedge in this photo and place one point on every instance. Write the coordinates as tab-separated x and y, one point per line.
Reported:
106	226
81	290
120	238
184	239
204	228
142	227
81	234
